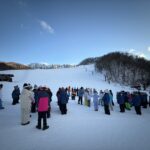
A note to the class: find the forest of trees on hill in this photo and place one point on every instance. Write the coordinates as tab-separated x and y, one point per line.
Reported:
124	68
12	66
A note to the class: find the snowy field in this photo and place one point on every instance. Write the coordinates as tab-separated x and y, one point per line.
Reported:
82	128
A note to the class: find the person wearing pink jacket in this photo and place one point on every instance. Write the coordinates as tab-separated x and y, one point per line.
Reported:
42	106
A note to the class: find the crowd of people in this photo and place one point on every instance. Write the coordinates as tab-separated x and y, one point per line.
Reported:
38	99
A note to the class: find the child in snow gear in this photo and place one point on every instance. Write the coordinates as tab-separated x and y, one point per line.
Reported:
15	95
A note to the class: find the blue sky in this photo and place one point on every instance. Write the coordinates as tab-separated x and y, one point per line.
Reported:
67	31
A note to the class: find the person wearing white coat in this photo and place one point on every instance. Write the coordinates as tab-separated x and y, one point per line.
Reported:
95	100
26	98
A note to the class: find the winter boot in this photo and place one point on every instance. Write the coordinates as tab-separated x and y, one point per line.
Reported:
45	127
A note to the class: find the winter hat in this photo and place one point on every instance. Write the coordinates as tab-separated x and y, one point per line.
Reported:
16	87
106	91
35	86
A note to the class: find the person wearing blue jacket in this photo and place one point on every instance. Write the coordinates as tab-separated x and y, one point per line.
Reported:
121	101
137	103
15	95
106	100
80	94
63	101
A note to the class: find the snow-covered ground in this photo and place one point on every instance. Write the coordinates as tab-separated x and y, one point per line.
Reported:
82	128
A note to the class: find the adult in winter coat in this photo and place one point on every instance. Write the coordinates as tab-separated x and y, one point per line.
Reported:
63	101
101	94
95	100
34	104
89	98
86	97
111	100
137	103
43	105
26	97
50	94
1	105
58	98
80	94
106	100
15	95
121	101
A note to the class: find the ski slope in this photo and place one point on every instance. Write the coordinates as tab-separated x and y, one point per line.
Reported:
82	128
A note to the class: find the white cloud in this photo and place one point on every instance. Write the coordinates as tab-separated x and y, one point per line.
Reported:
46	26
131	50
148	48
142	55
137	53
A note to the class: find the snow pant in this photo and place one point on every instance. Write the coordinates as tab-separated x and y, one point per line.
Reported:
42	115
96	106
15	101
122	107
33	107
85	102
88	103
144	103
138	110
73	97
49	112
1	106
63	108
111	105
101	102
106	108
80	100
25	115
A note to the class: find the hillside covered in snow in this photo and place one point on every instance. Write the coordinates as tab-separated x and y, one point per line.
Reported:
82	128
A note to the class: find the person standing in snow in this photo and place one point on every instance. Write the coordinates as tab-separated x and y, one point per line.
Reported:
43	105
106	100
63	101
80	94
26	98
121	101
1	105
73	94
48	90
137	103
89	97
34	104
111	100
95	100
15	95
101	94
86	97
